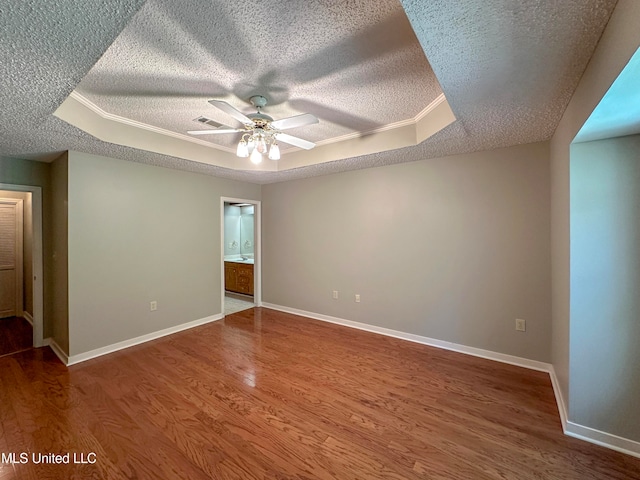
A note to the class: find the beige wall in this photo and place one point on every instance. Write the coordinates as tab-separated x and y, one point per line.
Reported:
139	233
59	247
451	248
25	172
27	245
619	42
605	281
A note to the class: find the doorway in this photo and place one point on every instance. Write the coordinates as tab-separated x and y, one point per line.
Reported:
240	221
15	330
12	300
25	328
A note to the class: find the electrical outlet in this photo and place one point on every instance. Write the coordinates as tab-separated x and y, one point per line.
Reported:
357	298
153	306
521	325
335	294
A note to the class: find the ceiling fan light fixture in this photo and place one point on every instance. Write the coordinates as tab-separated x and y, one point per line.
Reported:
261	145
256	157
243	149
260	130
274	152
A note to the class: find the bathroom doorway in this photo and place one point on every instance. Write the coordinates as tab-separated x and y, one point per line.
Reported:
241	259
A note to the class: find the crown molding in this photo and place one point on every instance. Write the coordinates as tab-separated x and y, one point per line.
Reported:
145	126
390	126
82	113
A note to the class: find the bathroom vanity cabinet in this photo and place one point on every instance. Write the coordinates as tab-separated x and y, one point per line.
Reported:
238	277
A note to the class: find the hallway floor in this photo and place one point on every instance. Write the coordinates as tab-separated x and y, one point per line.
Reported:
16	334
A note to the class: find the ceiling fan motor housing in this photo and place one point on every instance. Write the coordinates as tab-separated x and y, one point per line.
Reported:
260	119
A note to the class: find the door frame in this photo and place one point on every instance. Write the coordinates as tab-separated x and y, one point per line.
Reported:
19	259
37	258
257	251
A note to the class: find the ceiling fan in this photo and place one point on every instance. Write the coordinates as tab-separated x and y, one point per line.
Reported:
260	131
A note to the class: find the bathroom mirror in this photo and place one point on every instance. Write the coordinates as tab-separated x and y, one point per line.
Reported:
246	230
239	230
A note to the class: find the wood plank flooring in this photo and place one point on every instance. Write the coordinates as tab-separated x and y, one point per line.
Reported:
268	395
16	334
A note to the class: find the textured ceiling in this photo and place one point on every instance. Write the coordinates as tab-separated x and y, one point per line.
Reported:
507	67
355	65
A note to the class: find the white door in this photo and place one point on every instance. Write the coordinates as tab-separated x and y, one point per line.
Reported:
10	257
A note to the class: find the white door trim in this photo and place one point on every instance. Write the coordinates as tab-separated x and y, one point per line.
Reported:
38	289
257	253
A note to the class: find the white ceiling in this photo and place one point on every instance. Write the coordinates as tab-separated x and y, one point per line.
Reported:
507	68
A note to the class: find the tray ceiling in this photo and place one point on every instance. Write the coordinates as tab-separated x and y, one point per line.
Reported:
357	67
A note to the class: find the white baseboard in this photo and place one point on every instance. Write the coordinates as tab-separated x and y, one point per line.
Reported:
569	428
476	352
588	434
604	439
27	316
557	391
51	343
98	352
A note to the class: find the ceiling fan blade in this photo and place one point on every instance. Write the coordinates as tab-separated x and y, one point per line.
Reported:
293	122
229	110
214	131
295	141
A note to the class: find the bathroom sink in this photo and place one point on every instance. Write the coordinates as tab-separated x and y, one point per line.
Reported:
240	260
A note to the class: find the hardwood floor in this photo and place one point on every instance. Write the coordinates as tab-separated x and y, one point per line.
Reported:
268	395
16	334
